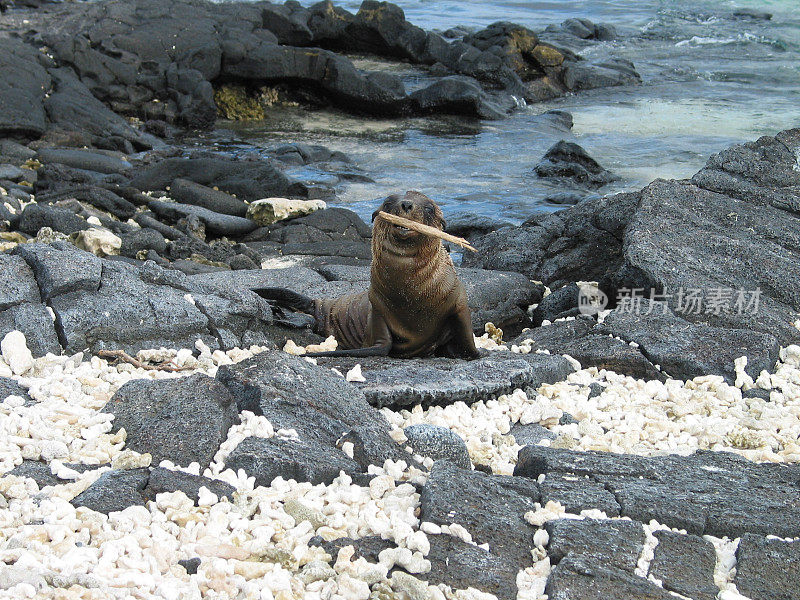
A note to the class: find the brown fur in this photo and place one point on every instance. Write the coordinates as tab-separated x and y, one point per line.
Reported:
415	305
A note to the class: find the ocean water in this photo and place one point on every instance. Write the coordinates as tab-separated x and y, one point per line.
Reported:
709	80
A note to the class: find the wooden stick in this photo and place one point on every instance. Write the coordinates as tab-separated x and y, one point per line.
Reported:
426	230
127	358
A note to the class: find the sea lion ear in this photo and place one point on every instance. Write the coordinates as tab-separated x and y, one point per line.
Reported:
442	223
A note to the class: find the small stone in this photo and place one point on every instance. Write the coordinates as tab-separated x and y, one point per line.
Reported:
300	512
270	210
190	564
547	56
99	242
355	374
316	571
414	588
15	352
128	459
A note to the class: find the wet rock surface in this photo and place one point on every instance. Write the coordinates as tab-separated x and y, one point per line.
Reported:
713	226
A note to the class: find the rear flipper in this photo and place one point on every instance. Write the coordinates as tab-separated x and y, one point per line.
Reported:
287	299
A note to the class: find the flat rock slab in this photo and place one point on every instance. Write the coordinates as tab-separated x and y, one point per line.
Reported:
580	339
297	279
84	159
768	569
609	542
183	420
491	507
319	405
216	223
714	493
575	493
189	192
581	578
61	268
685	350
441	381
685	564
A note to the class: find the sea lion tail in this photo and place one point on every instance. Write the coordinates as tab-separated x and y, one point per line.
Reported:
287	299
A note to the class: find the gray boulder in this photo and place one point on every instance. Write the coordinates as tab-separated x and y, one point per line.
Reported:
438	443
568	162
189	192
61	268
720	229
36	216
183	420
84	159
33	320
615	543
114	491
581	578
215	223
266	459
287	390
685	564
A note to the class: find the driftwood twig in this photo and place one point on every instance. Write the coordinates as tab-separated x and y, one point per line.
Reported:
426	230
123	356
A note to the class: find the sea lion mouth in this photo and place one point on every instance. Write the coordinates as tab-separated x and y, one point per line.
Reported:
403	233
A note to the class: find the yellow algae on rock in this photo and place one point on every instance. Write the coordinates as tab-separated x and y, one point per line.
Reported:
234	103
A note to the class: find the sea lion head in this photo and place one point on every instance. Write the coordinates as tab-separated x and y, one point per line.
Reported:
414	206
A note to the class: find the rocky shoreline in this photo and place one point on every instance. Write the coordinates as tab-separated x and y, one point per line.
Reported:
636	435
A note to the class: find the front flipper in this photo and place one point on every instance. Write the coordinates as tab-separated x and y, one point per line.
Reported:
377	342
462	344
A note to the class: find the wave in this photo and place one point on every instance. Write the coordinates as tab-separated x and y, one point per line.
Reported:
721	41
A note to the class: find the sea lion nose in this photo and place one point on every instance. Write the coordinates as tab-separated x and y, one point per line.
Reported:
406	205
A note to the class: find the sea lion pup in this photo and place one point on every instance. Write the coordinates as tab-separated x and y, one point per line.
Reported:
415	305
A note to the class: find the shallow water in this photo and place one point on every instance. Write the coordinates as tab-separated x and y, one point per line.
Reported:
709	80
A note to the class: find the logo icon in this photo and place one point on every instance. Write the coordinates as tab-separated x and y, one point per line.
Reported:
591	300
